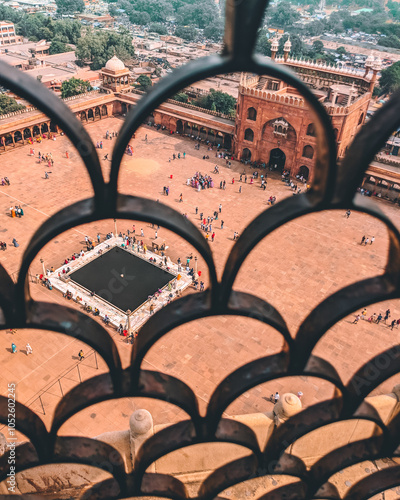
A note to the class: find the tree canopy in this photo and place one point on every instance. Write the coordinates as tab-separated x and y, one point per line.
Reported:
186	32
9	105
217	101
390	78
58	47
283	14
69	6
97	47
159	28
74	86
143	82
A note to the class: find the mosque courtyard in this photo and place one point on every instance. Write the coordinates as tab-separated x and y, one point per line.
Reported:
294	268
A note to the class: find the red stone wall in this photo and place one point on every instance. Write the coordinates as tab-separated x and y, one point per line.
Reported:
299	118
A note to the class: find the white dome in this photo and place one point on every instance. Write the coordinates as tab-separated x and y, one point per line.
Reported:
274	45
287	46
115	64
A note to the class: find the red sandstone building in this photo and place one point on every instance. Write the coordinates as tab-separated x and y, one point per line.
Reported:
274	124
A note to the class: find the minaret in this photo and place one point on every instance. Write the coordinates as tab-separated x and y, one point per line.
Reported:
376	67
368	63
286	49
274	48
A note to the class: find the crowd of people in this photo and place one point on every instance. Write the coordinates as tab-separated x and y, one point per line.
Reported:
200	181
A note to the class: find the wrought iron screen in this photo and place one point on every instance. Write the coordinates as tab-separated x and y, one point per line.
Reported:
334	187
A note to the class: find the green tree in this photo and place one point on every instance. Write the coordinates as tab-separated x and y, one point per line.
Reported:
390	78
263	45
186	32
283	14
341	51
74	86
200	14
58	47
318	47
297	49
97	47
214	31
143	83
217	100
69	6
141	18
158	28
181	97
9	105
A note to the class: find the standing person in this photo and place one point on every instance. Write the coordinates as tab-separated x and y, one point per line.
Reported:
46	175
197	210
145	138
366	241
29	349
364	313
184	155
155	235
142	233
67	154
151	309
180	198
372	240
379	318
222	224
348	213
392	324
387	315
362	240
240	189
98	237
212	237
13	348
233	180
276	397
81	355
220	208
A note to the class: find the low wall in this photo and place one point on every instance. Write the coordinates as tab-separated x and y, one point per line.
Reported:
193	464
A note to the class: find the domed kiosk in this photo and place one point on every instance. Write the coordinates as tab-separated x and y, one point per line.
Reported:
115	75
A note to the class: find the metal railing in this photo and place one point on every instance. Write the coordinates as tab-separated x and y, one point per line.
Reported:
333	187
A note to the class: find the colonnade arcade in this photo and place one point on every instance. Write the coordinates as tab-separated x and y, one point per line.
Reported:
205	134
43	129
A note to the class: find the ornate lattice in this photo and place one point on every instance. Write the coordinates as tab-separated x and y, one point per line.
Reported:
334	187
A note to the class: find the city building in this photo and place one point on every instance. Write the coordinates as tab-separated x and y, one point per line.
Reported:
7	33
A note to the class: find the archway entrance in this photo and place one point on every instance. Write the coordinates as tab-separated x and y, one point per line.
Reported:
304	172
179	127
277	159
246	154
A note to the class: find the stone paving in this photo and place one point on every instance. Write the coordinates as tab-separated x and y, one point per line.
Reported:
294	269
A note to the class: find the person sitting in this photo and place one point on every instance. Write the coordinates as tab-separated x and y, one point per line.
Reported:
106	319
96	312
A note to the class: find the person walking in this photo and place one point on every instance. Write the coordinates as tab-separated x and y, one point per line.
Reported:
362	240
13	348
46	175
233	180
348	213
276	397
392	324
29	349
145	138
387	315
98	237
81	355
366	241
142	232
372	240
379	318
222	224
356	319
197	210
240	189
180	198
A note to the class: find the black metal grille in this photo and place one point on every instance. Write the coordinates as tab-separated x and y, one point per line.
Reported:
334	187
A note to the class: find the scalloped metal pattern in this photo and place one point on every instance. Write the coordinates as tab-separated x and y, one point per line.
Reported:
333	188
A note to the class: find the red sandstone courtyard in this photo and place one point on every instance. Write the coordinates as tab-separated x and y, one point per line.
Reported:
294	269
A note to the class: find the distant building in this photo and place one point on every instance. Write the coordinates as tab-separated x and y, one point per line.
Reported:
7	34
